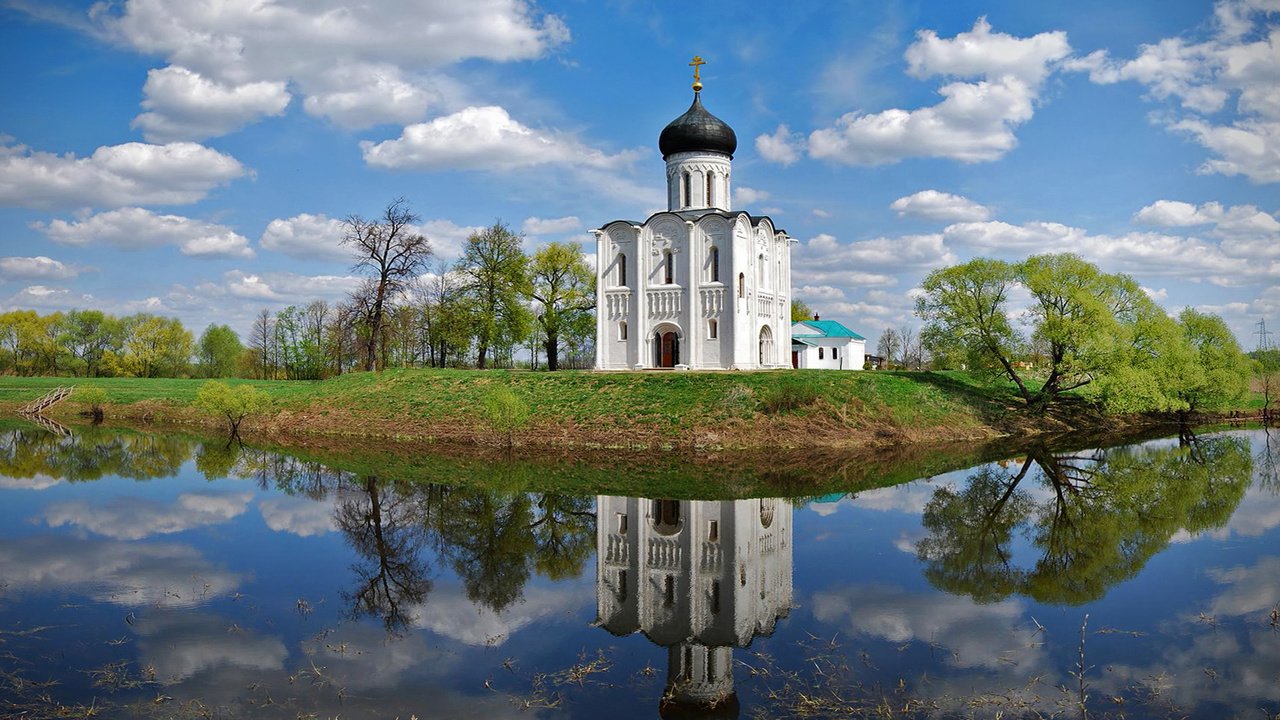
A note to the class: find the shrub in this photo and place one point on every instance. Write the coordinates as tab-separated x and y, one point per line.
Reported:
93	396
505	411
234	403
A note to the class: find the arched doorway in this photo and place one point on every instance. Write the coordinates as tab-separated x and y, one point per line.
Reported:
766	346
666	347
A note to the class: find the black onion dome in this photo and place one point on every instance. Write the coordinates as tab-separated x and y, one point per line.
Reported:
697	131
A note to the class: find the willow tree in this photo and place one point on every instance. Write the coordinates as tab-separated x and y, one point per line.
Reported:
564	288
1081	323
392	253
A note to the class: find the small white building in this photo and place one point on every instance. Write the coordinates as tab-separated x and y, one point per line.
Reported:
826	345
700	285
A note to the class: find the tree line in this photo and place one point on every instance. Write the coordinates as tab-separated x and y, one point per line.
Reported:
410	310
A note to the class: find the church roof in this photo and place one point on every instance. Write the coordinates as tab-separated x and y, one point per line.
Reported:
825	328
697	131
702	212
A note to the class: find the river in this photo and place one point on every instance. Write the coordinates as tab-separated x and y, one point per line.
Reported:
148	575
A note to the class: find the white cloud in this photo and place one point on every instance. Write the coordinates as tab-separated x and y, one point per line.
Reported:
44	297
935	205
181	645
114	175
975	122
134	228
1241	59
747	196
285	287
484	138
138	518
818	292
550	226
452	614
1238	259
183	105
358	65
781	147
307	237
1171	213
36	268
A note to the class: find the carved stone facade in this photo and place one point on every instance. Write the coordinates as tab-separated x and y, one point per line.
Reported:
699	286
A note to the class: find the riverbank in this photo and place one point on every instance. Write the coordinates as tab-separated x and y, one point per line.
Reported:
716	411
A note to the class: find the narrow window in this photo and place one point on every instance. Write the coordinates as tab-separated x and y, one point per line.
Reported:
819	353
688	664
669	591
742	576
711	668
622	269
742	284
622	585
622	522
713	530
688	190
712	327
715	596
761	268
622	331
668	265
715	264
709	202
835	353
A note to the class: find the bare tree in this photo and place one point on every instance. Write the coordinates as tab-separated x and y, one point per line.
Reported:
392	254
262	342
889	346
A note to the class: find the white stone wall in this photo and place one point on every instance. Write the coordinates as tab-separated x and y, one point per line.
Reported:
851	356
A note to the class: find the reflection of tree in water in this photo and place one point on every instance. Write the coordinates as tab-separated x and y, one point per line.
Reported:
386	526
1268	461
91	454
492	540
1103	516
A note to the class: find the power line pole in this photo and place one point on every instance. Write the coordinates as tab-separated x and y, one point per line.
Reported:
1263	334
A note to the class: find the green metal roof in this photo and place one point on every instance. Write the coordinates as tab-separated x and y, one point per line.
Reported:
827	328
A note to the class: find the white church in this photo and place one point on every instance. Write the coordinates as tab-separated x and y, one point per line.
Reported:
701	285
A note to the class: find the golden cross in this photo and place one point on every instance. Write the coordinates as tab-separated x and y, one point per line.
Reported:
697	64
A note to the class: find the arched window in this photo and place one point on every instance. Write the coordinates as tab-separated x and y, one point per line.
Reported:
709	202
688	190
819	353
622	330
742	285
760	267
668	267
835	353
715	264
622	269
712	328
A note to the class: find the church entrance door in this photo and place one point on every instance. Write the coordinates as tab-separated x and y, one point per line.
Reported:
668	349
795	359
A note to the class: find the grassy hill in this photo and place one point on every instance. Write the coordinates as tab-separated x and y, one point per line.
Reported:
629	410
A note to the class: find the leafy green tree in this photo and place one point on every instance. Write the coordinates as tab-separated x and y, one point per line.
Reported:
1266	381
93	396
800	311
1222	372
495	273
234	402
487	538
88	335
155	347
219	351
564	288
1087	328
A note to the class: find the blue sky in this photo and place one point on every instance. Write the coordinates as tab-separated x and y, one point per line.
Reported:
195	157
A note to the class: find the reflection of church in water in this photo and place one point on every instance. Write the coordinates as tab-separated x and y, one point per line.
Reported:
697	577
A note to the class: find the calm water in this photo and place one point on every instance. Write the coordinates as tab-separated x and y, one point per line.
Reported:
146	575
